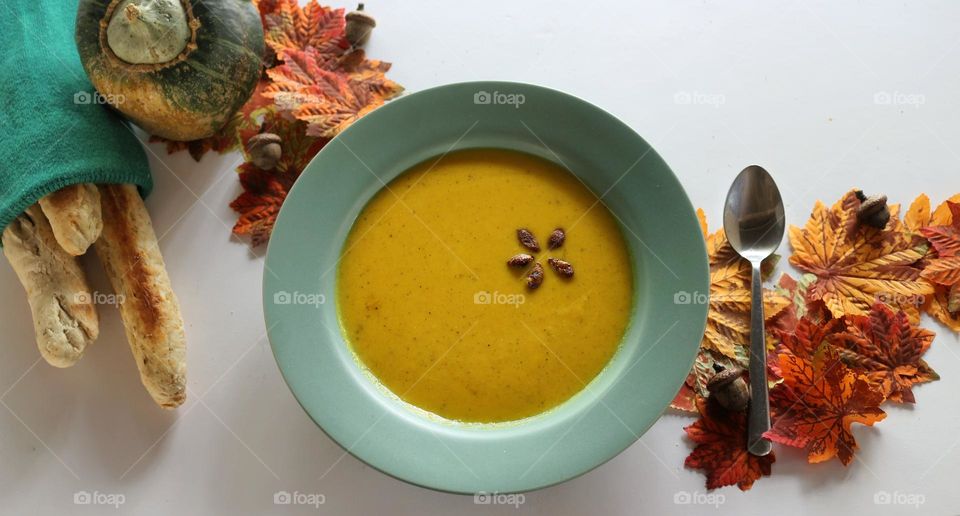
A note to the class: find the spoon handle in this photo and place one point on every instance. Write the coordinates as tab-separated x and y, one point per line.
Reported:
759	417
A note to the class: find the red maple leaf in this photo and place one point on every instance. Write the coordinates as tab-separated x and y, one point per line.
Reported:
721	450
887	349
818	401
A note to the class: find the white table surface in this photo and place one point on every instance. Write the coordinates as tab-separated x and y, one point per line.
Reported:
799	87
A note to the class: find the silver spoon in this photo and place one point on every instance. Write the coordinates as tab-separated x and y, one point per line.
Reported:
754	223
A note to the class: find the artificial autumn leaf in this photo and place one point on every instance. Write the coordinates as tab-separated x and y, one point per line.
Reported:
919	215
817	403
728	318
721	450
945	268
857	265
286	25
265	191
807	337
887	348
941	267
329	100
800	307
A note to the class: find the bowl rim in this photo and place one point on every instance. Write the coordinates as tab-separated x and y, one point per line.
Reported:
291	361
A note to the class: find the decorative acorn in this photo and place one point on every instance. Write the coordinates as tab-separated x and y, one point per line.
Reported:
264	150
873	210
359	26
728	387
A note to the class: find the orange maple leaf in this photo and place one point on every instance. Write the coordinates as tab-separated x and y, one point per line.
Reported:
721	450
887	348
329	100
288	25
858	265
817	403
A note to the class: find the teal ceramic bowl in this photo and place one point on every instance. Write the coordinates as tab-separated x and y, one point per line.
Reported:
620	404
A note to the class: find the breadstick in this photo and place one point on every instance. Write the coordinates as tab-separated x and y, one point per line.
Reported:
64	317
150	312
74	215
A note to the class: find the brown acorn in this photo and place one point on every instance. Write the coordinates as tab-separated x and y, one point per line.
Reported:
264	150
729	388
873	210
359	26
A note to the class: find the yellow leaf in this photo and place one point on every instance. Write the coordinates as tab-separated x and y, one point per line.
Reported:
856	265
918	215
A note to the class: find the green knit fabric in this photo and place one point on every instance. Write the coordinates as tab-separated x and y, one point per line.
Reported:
56	130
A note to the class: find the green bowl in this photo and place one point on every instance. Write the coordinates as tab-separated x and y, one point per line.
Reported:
621	403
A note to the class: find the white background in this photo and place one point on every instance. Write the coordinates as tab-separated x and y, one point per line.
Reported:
789	85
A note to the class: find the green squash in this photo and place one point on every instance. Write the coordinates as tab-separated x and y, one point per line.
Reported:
178	68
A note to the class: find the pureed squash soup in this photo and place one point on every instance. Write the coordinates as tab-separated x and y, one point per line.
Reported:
431	308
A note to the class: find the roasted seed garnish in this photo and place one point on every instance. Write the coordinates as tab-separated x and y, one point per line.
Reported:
535	278
562	268
528	240
556	239
519	260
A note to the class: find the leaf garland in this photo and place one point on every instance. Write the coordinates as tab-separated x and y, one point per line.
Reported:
314	86
845	341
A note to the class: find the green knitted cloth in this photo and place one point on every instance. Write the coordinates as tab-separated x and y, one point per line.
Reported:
57	130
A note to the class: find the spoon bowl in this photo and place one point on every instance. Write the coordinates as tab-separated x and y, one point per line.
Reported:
753	218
